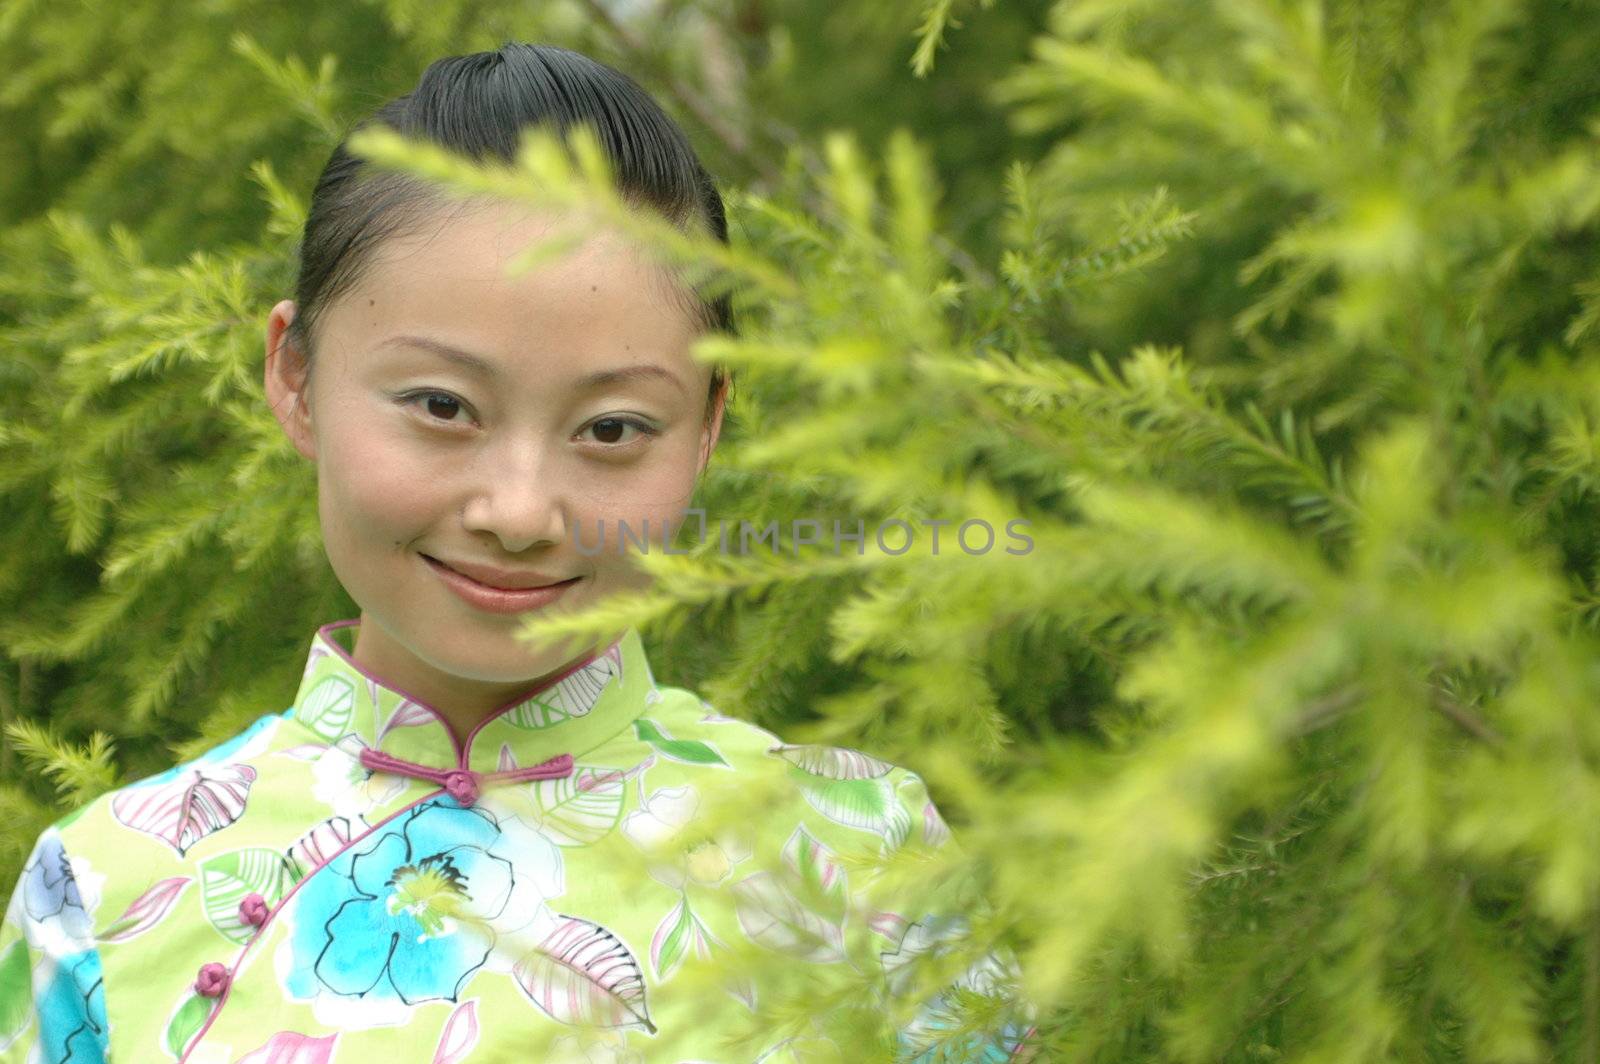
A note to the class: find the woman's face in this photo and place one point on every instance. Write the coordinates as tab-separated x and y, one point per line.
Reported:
499	458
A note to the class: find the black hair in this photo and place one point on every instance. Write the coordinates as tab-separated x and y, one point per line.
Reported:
477	105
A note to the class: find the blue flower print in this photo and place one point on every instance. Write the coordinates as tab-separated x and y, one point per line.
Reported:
404	913
50	895
972	1048
72	1012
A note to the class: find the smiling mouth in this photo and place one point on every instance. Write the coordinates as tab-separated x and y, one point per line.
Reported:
494	587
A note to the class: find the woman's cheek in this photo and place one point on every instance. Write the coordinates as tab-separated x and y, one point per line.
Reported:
372	486
625	526
661	483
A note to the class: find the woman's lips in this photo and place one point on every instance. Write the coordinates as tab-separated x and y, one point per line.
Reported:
494	599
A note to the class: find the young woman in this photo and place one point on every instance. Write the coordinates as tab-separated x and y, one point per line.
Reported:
434	854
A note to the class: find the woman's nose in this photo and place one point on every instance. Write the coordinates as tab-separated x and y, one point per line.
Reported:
518	497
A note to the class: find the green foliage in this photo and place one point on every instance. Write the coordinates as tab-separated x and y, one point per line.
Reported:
1277	323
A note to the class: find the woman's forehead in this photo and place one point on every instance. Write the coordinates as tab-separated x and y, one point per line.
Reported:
483	243
602	304
462	273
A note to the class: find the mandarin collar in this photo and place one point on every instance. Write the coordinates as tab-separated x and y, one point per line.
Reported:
572	713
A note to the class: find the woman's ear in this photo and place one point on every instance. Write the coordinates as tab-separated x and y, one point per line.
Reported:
287	379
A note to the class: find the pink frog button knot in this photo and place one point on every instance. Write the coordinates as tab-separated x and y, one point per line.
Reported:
212	980
253	909
462	785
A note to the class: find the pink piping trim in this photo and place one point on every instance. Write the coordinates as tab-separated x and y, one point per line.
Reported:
222	999
1026	1045
462	751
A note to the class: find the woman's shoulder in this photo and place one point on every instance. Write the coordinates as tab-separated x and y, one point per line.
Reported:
176	806
88	862
847	792
695	718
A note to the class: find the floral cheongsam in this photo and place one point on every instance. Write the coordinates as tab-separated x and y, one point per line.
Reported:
343	882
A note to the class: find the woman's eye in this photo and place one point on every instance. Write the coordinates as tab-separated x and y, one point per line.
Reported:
441	406
610	430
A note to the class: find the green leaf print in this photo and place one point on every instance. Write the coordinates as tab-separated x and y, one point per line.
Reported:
866	804
583	974
823	881
667	949
770	914
537	713
186	1021
226	878
679	933
328	708
581	809
691	751
16	994
832	762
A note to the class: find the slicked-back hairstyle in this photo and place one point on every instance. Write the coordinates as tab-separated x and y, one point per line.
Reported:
477	105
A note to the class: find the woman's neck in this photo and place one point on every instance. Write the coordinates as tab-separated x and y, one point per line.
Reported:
462	702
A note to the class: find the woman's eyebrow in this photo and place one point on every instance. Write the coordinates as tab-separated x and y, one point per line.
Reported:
485	368
481	366
627	373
